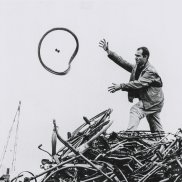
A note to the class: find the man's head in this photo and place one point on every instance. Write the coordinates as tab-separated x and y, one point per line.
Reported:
142	56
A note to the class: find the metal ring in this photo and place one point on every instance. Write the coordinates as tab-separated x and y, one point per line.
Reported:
72	57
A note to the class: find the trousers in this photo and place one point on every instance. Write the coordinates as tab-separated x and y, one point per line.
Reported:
137	112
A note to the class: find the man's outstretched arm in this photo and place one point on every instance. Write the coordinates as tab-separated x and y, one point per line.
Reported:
114	57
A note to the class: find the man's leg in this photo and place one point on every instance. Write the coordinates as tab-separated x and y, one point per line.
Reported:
154	122
136	114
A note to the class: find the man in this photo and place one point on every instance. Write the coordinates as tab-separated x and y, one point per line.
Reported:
144	84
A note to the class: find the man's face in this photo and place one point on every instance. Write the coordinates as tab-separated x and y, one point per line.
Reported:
140	60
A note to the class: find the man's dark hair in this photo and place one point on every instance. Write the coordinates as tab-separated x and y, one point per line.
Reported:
145	51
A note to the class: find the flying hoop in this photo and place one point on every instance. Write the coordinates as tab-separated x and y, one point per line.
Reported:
70	60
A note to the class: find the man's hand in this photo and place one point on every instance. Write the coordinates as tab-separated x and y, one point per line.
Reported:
104	44
114	87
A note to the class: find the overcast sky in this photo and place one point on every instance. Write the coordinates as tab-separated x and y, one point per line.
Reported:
126	24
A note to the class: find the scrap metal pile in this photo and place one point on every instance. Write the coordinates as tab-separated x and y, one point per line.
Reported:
90	154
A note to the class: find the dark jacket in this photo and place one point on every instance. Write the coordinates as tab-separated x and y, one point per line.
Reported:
147	88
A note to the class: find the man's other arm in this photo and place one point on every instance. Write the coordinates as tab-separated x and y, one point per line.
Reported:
148	79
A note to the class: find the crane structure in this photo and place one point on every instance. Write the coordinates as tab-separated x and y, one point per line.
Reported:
12	135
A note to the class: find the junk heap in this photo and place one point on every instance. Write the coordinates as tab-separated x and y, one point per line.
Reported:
90	154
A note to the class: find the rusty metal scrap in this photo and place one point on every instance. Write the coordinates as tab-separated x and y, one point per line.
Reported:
90	154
